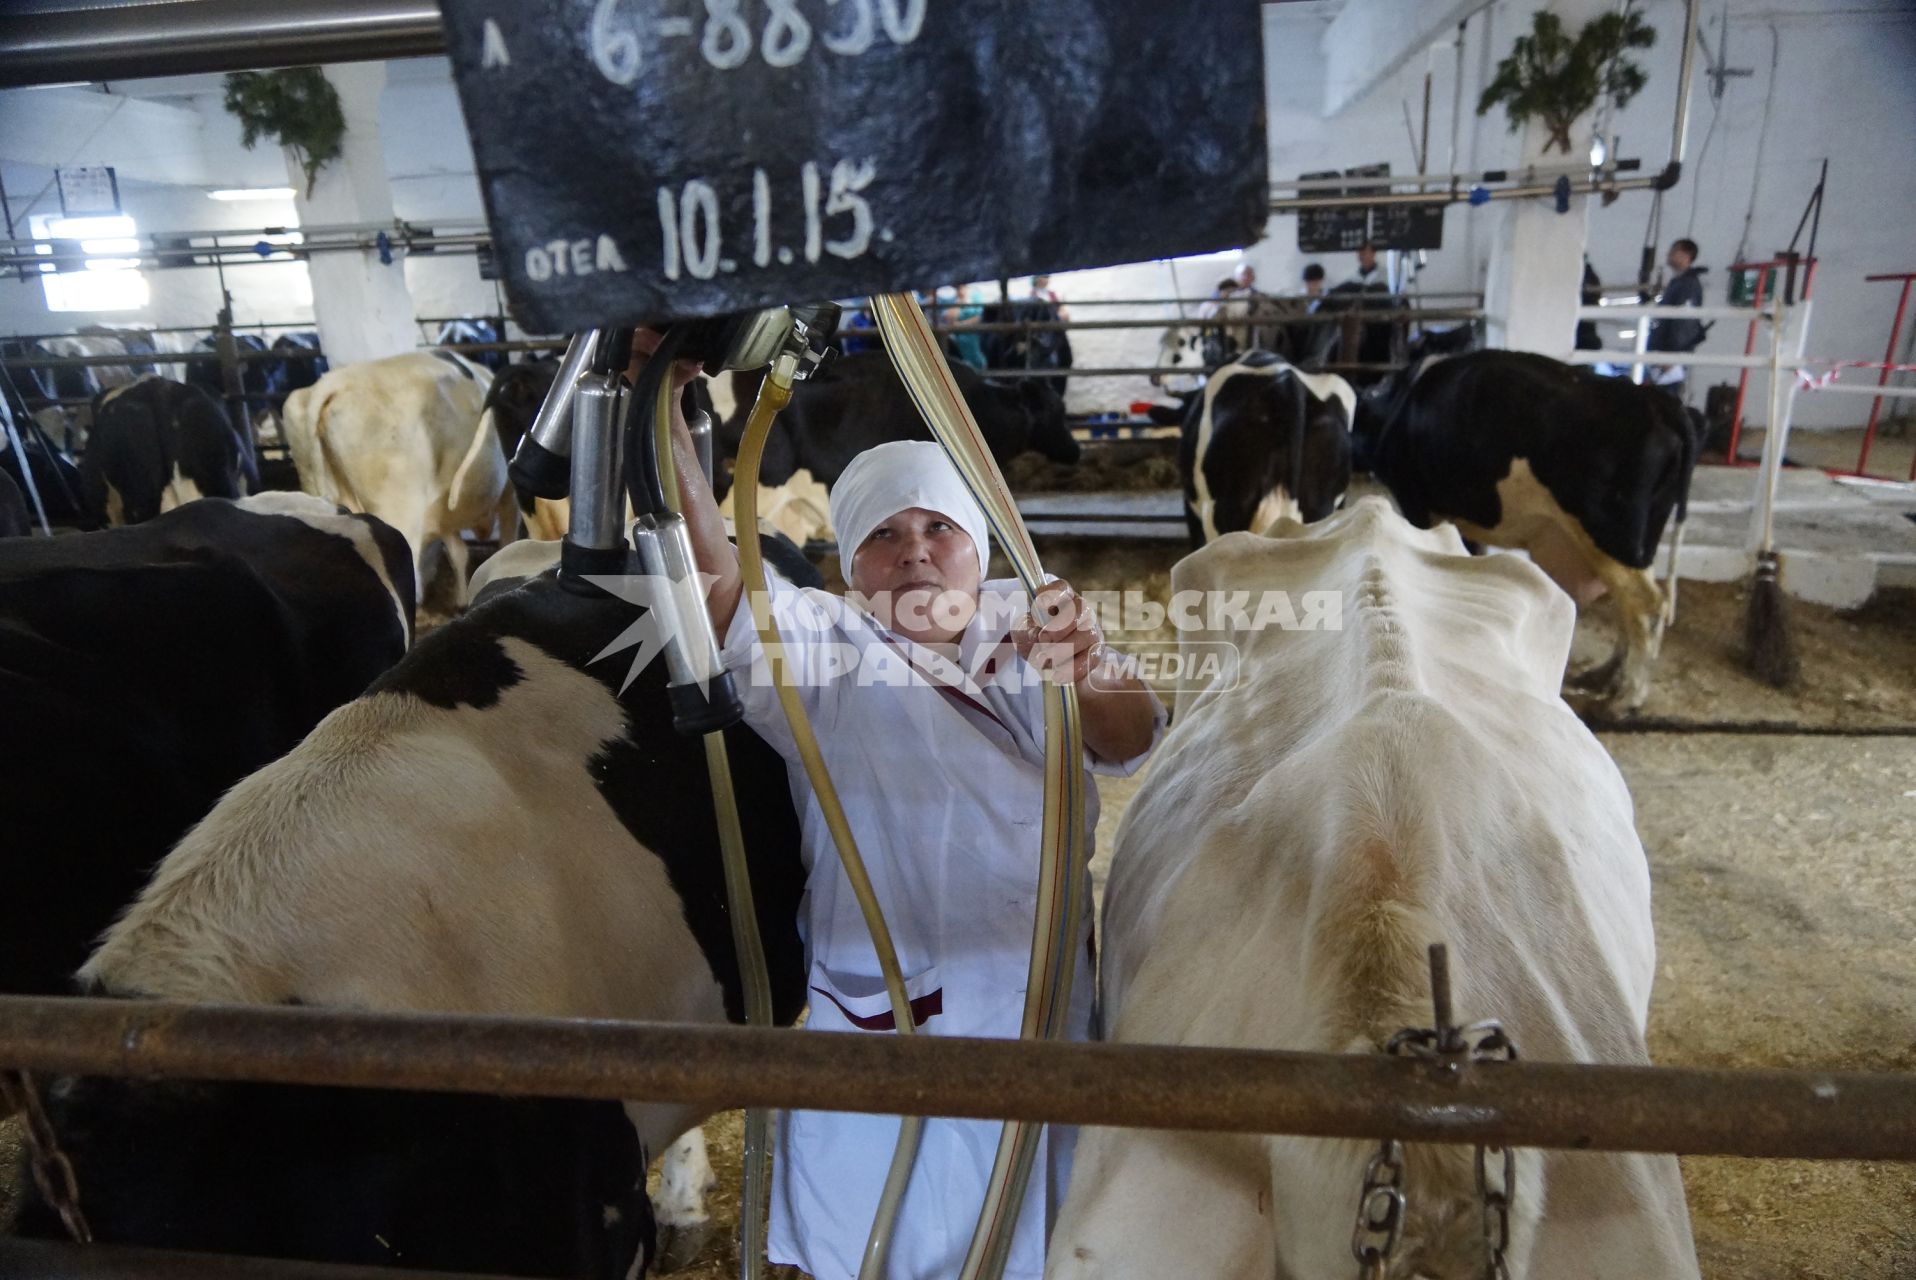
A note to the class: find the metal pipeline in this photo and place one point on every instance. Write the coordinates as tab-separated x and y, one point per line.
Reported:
89	42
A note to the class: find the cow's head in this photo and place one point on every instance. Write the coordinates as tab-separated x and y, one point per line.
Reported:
1181	359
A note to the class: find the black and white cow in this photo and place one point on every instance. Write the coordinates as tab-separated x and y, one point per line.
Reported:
1264	439
256	376
299	364
155	445
493	828
1580	471
145	670
858	402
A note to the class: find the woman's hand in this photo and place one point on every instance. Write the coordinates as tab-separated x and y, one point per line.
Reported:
1062	640
1061	637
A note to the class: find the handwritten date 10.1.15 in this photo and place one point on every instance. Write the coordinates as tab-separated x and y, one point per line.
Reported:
837	220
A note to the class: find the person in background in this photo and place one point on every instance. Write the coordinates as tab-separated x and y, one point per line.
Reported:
1041	289
1368	278
961	309
1245	277
1313	282
1211	307
1684	290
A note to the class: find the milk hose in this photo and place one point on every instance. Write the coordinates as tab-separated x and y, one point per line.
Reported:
774	394
1062	882
754	979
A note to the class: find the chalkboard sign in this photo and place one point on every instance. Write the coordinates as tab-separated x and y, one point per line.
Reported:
1329	230
1407	226
1386	226
657	159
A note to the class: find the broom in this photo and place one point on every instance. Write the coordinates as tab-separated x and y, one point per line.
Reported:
1770	647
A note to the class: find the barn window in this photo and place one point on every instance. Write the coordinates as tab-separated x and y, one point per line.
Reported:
108	280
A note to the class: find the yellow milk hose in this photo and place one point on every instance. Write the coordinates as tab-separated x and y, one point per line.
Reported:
774	394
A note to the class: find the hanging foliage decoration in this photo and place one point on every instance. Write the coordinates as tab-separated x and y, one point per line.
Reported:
1550	76
297	107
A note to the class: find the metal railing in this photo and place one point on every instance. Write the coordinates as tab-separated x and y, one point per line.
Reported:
1821	1115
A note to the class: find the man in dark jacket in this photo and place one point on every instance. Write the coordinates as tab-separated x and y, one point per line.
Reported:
1684	290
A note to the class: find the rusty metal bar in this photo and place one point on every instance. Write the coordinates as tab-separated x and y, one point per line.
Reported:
46	1260
1795	1114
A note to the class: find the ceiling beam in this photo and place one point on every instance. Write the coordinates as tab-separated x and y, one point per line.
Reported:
1369	40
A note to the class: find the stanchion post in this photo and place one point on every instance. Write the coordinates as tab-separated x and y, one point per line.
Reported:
232	385
1882	379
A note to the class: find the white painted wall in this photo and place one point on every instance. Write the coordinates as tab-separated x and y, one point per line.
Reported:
427	155
1842	87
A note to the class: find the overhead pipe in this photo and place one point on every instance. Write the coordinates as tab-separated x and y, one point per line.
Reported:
89	42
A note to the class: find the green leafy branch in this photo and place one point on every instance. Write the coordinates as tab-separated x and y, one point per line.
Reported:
1553	77
298	108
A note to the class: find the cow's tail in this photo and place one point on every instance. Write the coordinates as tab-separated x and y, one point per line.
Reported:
481	436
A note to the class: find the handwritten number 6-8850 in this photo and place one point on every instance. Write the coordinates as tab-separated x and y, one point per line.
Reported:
725	38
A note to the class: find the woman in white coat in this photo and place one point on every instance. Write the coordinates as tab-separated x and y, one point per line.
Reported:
924	689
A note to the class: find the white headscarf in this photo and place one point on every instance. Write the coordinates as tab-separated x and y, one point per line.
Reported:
894	477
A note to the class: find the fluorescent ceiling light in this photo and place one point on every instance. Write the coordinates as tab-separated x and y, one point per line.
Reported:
252	193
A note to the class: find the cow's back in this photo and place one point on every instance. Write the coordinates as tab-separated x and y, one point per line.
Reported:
1614	456
1407	778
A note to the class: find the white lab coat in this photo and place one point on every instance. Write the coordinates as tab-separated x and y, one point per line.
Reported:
944	790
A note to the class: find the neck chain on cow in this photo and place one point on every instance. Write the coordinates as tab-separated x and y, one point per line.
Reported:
1380	1207
52	1171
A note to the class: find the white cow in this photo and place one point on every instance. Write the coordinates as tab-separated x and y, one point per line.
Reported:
407	439
1409	777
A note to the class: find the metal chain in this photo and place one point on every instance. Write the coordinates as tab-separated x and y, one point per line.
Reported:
1496	1203
1487	1042
52	1171
1380	1212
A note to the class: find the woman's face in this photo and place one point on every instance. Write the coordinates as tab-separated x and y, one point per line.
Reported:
918	575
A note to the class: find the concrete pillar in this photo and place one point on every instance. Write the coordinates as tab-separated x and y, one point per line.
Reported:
361	306
1536	256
